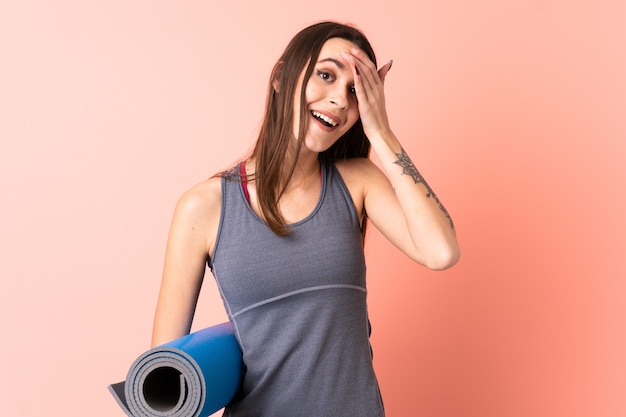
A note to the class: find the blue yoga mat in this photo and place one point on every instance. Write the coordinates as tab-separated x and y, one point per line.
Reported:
193	376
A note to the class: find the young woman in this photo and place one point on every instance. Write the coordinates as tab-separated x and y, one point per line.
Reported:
283	233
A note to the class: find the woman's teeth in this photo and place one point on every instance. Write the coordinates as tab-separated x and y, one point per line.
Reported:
325	119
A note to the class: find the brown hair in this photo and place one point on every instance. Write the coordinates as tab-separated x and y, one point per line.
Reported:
277	127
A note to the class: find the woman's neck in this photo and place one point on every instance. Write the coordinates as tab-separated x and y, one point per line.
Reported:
307	167
304	174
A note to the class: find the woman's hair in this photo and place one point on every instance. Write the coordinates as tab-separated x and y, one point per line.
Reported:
276	130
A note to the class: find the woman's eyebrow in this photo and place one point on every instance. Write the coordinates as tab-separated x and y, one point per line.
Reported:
333	60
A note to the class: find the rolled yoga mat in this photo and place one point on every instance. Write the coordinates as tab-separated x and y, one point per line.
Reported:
193	376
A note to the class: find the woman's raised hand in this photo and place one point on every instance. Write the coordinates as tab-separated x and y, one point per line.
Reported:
370	93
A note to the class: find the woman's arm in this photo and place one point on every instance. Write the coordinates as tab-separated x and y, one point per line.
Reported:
191	239
400	204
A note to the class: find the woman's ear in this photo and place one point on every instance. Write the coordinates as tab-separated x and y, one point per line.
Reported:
277	76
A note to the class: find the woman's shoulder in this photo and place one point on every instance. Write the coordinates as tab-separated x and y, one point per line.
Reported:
361	175
197	213
202	199
356	169
357	174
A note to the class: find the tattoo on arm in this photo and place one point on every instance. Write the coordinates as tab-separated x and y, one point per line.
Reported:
408	168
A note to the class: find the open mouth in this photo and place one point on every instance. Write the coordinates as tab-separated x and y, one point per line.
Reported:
325	120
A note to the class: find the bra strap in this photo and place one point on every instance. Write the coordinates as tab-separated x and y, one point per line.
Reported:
244	180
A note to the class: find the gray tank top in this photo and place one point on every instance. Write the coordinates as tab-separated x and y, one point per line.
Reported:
298	307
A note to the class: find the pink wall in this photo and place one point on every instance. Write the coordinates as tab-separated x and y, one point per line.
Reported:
513	110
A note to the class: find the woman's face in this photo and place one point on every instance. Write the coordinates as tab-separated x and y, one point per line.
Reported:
331	102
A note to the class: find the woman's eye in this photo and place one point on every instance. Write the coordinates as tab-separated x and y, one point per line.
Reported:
325	75
353	90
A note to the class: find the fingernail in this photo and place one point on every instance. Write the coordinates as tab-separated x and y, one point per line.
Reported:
390	63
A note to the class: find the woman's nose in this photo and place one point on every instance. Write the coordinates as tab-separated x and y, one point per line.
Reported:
339	97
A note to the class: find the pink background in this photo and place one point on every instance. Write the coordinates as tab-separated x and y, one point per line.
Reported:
514	111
